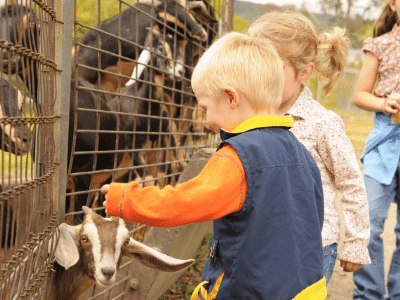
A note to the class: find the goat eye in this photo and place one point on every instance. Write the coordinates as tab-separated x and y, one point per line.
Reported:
127	241
84	239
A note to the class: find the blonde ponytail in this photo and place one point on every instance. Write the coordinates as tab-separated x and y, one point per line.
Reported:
295	38
331	57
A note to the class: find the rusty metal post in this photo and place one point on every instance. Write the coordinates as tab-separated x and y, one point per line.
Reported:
63	45
227	16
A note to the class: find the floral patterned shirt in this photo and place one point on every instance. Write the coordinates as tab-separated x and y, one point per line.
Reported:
382	148
387	49
322	132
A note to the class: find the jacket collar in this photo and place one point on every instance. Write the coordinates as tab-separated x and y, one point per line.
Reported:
259	122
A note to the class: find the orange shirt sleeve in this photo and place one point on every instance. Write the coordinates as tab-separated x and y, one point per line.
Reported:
218	190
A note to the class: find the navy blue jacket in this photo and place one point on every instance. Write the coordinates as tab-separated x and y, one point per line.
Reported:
272	247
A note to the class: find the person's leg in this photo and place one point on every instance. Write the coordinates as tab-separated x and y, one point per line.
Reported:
370	279
330	254
393	283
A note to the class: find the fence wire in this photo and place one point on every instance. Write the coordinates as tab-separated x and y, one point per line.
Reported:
132	116
132	99
148	130
27	162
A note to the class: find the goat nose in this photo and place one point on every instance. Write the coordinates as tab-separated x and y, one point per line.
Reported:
108	272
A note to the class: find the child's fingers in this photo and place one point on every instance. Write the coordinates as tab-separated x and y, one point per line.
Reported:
394	96
393	100
105	205
391	110
349	266
104	189
392	106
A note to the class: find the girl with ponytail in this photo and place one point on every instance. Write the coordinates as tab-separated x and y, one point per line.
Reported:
378	90
320	130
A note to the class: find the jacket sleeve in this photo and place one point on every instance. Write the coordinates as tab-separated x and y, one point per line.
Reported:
218	190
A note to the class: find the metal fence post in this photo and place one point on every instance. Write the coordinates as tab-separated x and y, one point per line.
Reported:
227	16
63	37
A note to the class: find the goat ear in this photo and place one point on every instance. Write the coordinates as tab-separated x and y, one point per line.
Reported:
155	31
199	10
155	259
87	210
67	252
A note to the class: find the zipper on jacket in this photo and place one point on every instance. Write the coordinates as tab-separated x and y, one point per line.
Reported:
212	253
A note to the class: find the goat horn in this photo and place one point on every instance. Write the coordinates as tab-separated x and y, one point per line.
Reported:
87	210
143	60
149	2
199	10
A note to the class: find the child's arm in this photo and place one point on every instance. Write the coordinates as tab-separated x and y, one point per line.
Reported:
218	190
363	96
339	157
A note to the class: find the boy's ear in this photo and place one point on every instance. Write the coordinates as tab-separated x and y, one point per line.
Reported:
232	96
306	72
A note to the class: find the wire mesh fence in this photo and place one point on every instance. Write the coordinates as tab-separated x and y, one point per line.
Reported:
131	98
134	68
131	116
27	157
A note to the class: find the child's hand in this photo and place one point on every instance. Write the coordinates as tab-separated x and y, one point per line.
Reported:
349	266
392	104
104	190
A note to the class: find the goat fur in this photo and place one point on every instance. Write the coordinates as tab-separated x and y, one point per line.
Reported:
77	262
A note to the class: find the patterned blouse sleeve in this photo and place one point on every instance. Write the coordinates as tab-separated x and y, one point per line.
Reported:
372	45
339	157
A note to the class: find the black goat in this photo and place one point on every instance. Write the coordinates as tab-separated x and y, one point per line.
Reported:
19	29
146	116
15	138
84	123
19	33
135	23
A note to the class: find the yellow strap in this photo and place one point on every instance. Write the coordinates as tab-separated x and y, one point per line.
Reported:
195	295
203	291
317	291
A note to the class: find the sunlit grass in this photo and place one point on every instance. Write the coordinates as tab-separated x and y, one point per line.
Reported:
358	123
10	163
14	164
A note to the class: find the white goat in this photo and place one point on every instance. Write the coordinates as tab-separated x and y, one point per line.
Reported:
91	253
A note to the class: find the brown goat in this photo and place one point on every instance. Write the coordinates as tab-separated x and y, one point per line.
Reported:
91	253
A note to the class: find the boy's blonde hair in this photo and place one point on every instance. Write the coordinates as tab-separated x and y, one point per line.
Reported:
295	38
249	65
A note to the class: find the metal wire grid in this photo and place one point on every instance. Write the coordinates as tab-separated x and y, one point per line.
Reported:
189	124
27	217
